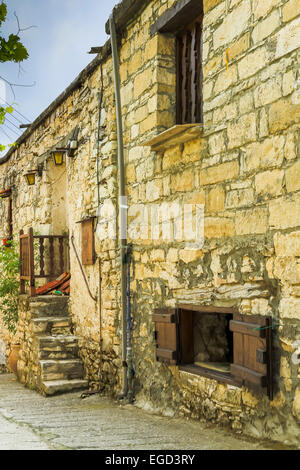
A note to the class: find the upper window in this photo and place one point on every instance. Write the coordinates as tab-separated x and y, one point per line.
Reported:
185	20
189	74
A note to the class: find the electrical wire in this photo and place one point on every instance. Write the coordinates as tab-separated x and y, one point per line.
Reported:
17	119
3	131
11	130
8	120
98	143
22	115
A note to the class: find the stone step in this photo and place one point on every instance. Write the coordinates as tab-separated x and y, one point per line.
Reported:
57	347
65	369
52	326
51	387
49	306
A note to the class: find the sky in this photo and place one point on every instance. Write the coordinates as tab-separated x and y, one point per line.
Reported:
63	33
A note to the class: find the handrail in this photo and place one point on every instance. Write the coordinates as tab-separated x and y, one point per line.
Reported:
27	268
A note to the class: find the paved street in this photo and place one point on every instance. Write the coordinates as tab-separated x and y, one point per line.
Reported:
30	421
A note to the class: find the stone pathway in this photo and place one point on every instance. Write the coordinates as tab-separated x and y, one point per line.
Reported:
30	421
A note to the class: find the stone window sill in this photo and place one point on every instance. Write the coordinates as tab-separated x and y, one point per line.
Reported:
178	134
210	374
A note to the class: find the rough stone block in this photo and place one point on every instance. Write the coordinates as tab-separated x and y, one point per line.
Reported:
251	221
252	63
239	198
292	177
268	92
215	174
266	27
233	24
290	10
218	227
287	244
215	199
241	131
283	114
261	8
269	183
284	212
288	38
266	154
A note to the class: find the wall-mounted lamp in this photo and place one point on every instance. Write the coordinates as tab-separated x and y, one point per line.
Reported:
58	157
30	177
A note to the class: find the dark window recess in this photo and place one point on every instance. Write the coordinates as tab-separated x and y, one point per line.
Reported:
189	74
217	343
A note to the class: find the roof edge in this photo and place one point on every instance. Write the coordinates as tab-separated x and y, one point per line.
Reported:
123	12
86	72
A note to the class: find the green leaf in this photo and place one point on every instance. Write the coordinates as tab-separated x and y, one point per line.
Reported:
12	50
3	12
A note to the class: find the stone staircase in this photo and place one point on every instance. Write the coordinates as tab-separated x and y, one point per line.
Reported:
56	348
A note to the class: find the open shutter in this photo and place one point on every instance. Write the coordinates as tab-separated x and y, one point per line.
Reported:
166	335
88	250
252	352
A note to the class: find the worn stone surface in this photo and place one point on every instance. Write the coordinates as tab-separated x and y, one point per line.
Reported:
243	168
31	422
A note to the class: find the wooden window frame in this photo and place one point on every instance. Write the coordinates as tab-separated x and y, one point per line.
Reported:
203	371
252	346
185	21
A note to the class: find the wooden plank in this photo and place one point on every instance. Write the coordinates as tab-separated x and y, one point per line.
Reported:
42	260
164	318
22	283
193	64
166	354
87	240
176	17
208	308
178	80
51	254
184	84
251	329
251	376
199	79
186	337
31	263
61	254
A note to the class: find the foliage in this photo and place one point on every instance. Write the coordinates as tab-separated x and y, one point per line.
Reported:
11	50
3	112
9	285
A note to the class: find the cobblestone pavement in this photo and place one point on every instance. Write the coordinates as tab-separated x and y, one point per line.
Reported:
30	421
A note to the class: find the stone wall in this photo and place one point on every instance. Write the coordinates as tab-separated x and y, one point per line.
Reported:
244	168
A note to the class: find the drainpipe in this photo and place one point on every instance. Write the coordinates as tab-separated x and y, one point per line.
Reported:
122	201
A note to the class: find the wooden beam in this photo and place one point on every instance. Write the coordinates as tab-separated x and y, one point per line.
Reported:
177	17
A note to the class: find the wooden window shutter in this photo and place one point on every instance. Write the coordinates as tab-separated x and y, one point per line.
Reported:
166	335
87	238
252	352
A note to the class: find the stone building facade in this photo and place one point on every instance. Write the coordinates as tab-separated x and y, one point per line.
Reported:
241	163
